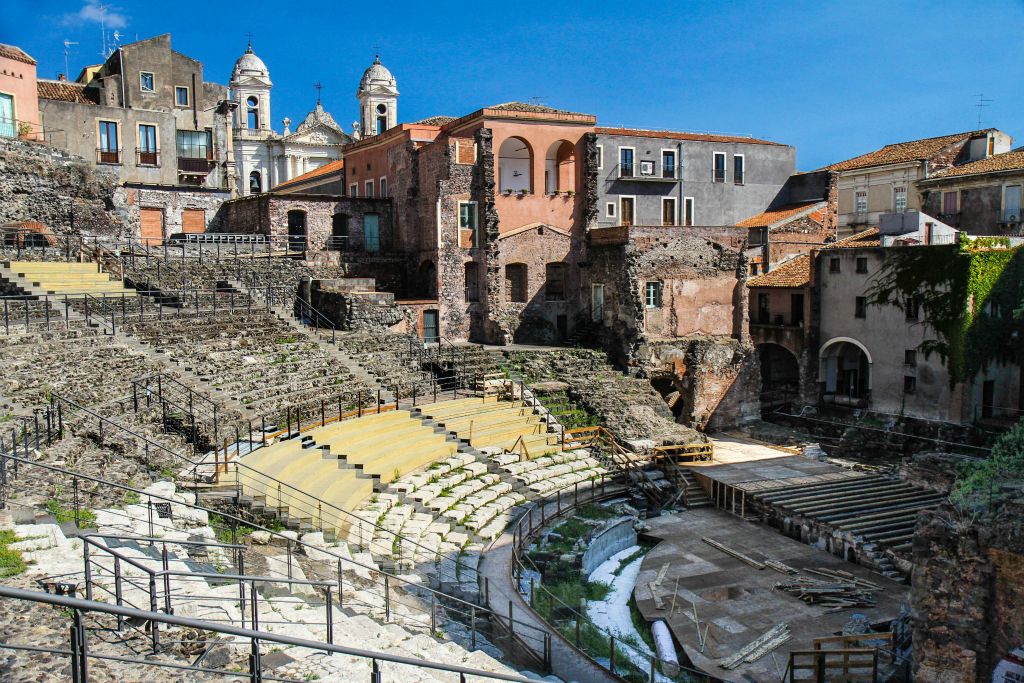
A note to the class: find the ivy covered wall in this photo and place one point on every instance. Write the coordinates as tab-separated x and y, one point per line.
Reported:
967	293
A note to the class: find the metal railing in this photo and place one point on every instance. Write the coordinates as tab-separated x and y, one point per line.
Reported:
422	605
575	628
80	654
147	157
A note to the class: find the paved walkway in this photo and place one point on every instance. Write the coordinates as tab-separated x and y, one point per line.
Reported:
566	662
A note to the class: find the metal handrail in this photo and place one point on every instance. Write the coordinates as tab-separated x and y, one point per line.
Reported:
256	636
388	578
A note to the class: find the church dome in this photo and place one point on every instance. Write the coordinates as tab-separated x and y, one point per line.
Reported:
377	75
250	65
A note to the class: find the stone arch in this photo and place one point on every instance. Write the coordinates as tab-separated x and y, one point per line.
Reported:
844	371
560	167
780	376
515	165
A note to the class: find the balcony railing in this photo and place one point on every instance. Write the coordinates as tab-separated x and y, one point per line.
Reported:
146	157
201	165
718	175
253	133
860	217
337	243
1011	215
653	174
108	156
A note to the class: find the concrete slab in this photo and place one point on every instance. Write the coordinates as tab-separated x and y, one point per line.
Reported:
737	599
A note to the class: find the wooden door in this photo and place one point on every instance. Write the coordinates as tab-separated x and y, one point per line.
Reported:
151	226
193	220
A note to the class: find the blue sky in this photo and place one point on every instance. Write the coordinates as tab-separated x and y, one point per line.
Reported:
835	79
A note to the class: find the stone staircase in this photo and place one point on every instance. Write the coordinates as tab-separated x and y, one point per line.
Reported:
694	495
55	277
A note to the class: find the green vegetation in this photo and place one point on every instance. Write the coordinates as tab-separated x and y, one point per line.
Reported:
977	481
11	562
221	526
968	294
286	339
86	518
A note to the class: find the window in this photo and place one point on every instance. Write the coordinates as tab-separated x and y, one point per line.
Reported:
255	183
368	188
718	169
754	266
688	211
472	282
627	206
763	312
353	190
910	358
1011	203
625	162
8	129
899	199
909	384
860	202
146	83
147	145
383	187
668	163
371	233
861	307
468	220
600	157
181	96
738	169
862	264
554	282
609	209
382	118
912	308
668	210
796	309
833	265
195	144
252	113
515	282
109	147
652	294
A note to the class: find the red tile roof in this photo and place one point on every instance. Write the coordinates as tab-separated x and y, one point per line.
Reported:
783	214
326	169
64	91
1007	161
673	135
791	274
15	53
902	152
861	239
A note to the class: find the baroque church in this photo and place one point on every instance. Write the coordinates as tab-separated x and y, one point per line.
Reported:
265	158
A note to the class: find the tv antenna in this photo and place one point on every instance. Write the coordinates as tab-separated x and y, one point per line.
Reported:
982	103
67	51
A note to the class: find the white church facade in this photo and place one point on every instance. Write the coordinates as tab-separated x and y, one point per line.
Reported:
265	158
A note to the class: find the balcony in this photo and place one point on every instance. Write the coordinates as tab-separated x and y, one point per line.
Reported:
197	166
860	217
145	157
643	172
253	133
108	156
1010	215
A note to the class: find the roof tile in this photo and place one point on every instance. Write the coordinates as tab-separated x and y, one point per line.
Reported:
64	91
1007	161
902	152
783	214
793	273
672	135
326	169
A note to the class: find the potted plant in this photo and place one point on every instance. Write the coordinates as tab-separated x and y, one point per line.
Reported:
523	193
508	190
570	193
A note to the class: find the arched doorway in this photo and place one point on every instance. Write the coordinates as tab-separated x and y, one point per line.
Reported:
845	372
515	166
428	279
296	230
339	232
780	376
560	167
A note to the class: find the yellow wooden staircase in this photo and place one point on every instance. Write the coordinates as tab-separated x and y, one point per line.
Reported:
72	279
509	425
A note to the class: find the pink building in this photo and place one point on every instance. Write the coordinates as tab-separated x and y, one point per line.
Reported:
19	102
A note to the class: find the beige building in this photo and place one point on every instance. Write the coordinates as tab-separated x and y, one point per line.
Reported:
884	181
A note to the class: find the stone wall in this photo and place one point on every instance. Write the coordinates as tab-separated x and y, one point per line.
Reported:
968	593
62	191
172	203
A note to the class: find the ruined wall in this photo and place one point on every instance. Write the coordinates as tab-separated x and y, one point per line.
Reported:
797	237
968	593
171	202
62	191
709	383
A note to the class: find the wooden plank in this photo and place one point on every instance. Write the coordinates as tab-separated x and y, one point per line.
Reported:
729	551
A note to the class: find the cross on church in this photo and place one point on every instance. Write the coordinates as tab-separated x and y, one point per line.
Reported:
250	40
376	50
318	89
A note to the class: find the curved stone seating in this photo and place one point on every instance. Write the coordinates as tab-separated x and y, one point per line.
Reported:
494	423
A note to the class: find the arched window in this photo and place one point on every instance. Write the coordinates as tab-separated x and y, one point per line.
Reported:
560	167
382	118
252	108
255	182
554	282
516	282
428	279
472	282
515	166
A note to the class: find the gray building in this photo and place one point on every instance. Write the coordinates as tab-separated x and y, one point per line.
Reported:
652	178
148	115
983	197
